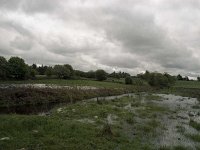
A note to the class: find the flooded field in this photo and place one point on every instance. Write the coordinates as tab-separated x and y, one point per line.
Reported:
125	122
165	121
52	86
178	123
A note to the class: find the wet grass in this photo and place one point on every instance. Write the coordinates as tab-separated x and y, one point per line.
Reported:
180	129
62	82
188	84
194	137
126	123
83	125
19	98
179	147
33	96
153	97
194	124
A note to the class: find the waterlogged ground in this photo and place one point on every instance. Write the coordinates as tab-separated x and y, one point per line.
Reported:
129	122
52	86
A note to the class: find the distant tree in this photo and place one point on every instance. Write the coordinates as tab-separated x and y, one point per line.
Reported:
198	78
186	78
90	74
3	68
101	75
80	73
145	76
42	69
49	72
34	66
62	72
69	67
128	80
17	68
32	73
158	79
118	75
179	77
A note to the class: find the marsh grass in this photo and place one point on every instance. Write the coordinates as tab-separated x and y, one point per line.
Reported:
194	137
180	129
194	124
63	129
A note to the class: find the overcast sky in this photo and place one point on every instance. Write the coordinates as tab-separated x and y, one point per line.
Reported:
127	35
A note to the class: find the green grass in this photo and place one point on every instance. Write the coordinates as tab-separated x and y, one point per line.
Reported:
188	84
68	128
194	124
63	82
194	137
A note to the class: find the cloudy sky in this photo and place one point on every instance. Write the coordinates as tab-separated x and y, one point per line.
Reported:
127	35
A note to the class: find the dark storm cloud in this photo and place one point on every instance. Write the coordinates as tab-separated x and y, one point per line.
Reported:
131	35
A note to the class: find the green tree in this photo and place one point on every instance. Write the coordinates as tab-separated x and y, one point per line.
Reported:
49	72
62	72
3	68
90	74
101	75
17	68
186	78
198	78
158	79
34	66
179	77
69	67
32	73
128	80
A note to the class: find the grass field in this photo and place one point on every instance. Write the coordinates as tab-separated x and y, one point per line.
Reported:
136	122
187	84
84	126
106	84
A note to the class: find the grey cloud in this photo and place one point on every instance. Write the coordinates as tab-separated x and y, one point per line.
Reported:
131	35
30	6
22	43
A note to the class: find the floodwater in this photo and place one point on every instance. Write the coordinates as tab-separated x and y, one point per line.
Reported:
182	112
52	86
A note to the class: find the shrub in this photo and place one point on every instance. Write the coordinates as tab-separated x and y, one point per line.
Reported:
158	79
128	80
49	72
62	72
101	75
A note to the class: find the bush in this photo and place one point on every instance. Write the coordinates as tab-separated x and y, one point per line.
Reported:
62	72
33	73
49	72
158	79
101	75
128	80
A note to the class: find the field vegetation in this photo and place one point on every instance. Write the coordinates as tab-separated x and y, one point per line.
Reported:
75	121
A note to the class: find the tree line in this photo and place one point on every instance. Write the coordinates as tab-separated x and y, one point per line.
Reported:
16	68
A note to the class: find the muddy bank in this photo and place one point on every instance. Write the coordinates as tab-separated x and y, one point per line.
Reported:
28	99
46	107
